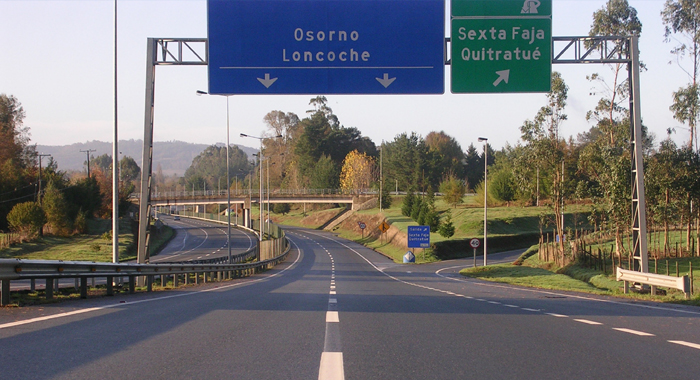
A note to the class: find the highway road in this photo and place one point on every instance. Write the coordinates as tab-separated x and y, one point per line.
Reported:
337	310
200	240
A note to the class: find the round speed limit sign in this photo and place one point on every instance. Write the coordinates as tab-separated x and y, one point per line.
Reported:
475	243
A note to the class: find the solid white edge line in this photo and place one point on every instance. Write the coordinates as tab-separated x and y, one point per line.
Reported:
331	366
635	332
687	344
127	303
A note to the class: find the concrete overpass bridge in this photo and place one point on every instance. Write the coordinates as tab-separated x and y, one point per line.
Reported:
356	199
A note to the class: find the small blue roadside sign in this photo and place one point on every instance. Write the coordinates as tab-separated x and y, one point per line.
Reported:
409	257
418	236
326	47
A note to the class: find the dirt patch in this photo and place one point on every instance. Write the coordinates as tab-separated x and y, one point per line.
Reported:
395	236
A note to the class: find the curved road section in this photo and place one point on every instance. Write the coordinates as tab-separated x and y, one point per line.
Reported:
336	310
201	240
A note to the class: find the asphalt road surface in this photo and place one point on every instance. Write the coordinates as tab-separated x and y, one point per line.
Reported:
200	240
337	310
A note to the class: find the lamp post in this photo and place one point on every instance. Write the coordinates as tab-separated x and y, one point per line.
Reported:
486	190
260	158
228	179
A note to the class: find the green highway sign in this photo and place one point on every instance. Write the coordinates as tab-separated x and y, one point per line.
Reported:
507	52
501	8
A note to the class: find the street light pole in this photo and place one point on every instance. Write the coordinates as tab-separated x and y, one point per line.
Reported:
260	158
486	191
228	177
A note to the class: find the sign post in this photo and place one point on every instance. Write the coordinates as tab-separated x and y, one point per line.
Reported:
475	243
362	226
326	47
501	46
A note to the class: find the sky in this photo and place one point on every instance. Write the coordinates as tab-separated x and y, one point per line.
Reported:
58	61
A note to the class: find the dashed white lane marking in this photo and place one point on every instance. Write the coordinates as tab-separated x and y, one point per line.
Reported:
687	344
332	317
332	286
332	292
494	303
586	321
635	332
331	366
332	300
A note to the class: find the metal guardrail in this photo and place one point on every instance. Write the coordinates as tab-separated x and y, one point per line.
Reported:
50	270
630	276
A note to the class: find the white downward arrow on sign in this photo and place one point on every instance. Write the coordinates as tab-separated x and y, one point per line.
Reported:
386	81
502	77
267	82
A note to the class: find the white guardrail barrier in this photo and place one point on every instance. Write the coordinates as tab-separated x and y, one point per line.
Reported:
630	276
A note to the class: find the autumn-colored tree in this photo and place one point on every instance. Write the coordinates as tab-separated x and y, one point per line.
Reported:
358	171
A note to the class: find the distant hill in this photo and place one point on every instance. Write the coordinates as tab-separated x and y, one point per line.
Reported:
174	157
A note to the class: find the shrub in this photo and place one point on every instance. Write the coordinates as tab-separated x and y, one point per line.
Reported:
27	218
281	208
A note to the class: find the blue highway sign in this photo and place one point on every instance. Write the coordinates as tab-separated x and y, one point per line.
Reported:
418	236
326	47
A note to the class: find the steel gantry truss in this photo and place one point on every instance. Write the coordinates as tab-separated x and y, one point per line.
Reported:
618	50
160	51
565	50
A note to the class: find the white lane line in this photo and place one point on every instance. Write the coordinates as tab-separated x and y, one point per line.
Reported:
530	290
586	321
635	332
558	315
332	317
528	309
332	292
127	303
479	299
332	286
687	344
332	300
506	305
494	303
331	366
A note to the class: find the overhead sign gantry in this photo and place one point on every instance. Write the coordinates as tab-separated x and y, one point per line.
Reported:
326	47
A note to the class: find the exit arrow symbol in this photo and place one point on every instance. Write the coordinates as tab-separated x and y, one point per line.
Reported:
386	81
502	77
267	82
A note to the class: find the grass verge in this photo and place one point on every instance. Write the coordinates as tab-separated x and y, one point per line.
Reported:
544	275
96	245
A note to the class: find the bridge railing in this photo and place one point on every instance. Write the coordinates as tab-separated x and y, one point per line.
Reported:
256	193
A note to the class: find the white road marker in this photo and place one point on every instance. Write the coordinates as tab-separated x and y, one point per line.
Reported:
528	309
506	305
635	332
687	344
586	321
331	366
332	317
558	315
